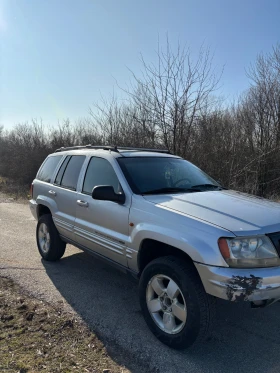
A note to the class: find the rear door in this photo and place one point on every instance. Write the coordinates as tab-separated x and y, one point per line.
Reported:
64	192
102	226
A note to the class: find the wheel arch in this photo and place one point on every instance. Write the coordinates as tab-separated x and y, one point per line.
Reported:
152	249
42	210
45	205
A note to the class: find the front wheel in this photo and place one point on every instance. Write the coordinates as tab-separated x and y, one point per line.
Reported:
50	245
174	303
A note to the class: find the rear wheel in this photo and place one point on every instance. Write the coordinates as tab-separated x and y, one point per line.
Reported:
174	303
50	245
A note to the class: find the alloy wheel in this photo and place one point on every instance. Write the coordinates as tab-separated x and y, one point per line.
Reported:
166	304
44	238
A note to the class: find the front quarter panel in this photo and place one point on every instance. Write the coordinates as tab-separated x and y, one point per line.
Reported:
196	238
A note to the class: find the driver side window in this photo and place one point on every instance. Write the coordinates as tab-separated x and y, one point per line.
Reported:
100	172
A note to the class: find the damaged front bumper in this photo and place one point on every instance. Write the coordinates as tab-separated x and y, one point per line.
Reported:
233	284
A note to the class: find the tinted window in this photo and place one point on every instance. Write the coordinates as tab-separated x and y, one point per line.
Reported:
71	174
100	172
61	170
48	168
146	174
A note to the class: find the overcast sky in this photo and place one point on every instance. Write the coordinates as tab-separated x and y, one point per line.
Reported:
58	56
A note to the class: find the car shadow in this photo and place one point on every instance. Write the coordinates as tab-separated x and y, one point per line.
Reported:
244	339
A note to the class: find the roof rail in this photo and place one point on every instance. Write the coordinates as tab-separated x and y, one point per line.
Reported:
78	147
144	149
112	148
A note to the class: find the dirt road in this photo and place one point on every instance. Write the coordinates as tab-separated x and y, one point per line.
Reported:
244	340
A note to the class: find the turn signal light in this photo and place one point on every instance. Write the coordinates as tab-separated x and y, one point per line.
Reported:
223	245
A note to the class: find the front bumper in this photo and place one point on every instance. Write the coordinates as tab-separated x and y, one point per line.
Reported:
233	284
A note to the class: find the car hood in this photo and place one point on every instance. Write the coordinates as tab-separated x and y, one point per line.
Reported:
240	213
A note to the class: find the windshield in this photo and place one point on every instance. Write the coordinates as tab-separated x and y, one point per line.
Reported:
153	175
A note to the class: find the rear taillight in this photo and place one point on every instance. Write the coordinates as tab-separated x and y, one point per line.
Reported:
31	190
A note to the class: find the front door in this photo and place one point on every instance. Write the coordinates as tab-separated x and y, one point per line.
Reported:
102	226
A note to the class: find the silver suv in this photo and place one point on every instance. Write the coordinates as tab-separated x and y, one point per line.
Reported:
160	218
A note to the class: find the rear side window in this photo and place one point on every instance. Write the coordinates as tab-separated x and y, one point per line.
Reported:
61	170
71	174
100	172
47	170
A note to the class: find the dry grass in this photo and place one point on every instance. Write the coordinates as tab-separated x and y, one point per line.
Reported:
36	337
13	190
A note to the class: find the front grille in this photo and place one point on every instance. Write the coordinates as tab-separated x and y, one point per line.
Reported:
275	238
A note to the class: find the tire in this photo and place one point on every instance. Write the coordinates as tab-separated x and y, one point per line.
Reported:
196	308
50	245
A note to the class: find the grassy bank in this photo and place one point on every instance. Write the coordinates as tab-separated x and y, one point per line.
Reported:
37	337
14	190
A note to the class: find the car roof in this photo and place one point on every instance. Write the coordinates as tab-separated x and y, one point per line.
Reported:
119	154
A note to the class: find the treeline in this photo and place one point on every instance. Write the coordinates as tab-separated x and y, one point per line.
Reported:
174	104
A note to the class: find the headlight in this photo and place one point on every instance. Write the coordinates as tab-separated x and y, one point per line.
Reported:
257	251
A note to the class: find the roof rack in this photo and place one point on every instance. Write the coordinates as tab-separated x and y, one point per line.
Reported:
143	149
78	147
112	148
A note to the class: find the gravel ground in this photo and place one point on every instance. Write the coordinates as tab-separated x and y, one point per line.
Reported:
244	340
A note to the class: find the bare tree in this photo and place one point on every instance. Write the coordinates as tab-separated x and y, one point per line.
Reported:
175	91
124	124
172	104
275	58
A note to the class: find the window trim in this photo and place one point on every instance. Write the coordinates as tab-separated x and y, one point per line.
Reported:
85	174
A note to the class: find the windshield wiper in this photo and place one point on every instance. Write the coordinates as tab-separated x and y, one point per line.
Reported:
194	188
171	190
219	187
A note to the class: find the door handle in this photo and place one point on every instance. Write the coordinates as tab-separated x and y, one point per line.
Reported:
52	192
82	203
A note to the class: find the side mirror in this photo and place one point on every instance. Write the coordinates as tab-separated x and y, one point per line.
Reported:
107	193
